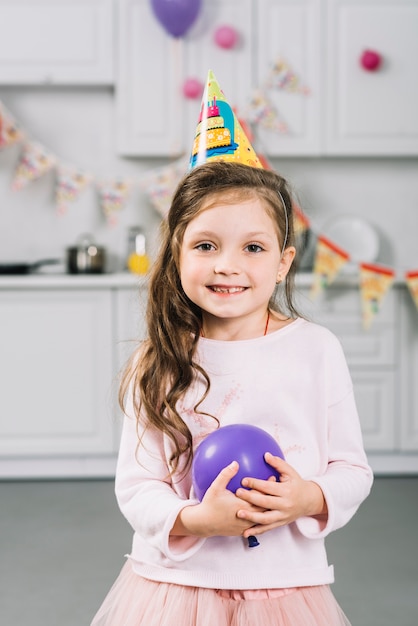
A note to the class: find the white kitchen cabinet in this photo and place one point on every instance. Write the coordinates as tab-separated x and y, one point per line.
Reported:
130	305
64	341
68	42
372	357
290	32
371	112
56	370
407	409
153	116
375	393
345	111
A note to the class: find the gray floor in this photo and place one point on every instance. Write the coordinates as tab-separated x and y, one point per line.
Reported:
62	545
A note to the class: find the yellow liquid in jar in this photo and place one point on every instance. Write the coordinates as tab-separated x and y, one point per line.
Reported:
138	263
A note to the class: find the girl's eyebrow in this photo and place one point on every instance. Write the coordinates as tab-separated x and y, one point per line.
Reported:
250	235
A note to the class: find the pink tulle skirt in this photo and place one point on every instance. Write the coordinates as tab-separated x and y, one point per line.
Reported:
136	601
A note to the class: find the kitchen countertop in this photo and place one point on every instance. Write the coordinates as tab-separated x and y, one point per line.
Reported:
71	281
127	280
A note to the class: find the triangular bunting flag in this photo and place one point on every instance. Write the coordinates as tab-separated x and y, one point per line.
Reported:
329	259
10	132
300	221
375	282
260	111
70	183
160	184
283	77
113	197
411	278
34	162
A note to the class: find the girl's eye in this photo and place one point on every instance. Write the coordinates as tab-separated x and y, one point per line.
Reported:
254	247
205	247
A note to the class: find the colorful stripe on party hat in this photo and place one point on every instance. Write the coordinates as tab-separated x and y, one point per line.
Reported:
219	135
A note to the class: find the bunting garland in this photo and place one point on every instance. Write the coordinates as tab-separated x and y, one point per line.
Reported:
159	185
259	109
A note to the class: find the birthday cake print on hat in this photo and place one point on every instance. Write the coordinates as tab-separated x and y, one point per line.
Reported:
219	135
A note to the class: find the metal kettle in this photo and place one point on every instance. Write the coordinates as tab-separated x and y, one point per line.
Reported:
86	257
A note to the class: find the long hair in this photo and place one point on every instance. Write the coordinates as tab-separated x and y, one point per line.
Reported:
165	367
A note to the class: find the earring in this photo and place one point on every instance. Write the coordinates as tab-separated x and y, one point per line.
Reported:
279	279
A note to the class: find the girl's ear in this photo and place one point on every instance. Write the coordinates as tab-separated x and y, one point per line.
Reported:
285	263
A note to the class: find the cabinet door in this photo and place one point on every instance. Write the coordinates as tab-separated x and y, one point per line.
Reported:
56	372
153	116
371	356
56	41
375	398
409	374
290	31
148	98
372	112
130	308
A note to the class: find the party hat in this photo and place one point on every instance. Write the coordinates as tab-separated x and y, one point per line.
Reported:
219	135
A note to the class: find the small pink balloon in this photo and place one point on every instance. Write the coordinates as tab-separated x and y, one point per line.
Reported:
192	88
226	37
370	60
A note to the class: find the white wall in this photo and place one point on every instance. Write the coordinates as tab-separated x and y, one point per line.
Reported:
77	125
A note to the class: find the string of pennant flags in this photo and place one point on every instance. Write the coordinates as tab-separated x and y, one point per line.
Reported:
159	184
36	160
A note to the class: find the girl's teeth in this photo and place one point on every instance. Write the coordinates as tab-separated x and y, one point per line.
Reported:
226	290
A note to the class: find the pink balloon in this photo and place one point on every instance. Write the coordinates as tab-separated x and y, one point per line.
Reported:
226	37
192	88
176	16
370	60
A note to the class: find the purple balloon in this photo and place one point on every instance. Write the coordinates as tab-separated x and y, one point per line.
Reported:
238	442
176	15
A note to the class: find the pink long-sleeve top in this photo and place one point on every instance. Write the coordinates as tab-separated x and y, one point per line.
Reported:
295	384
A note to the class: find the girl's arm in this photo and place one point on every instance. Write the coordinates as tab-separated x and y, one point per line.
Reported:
161	511
217	514
323	502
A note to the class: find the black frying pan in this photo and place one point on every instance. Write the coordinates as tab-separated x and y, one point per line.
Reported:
13	269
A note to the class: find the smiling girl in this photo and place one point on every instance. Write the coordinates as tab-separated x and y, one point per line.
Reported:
225	345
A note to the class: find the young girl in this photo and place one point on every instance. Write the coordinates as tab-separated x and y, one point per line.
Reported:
220	350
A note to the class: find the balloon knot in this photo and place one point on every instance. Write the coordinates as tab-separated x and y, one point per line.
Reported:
253	541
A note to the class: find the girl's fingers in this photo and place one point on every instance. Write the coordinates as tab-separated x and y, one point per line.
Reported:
279	464
221	481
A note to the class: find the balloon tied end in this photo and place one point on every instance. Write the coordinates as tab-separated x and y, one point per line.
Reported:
253	542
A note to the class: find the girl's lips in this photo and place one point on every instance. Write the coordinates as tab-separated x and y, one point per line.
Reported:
226	289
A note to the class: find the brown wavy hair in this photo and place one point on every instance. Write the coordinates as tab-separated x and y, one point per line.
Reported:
163	368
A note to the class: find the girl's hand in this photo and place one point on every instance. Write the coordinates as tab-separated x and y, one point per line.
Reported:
217	513
279	503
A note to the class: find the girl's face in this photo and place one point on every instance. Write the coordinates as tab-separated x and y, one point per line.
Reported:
230	260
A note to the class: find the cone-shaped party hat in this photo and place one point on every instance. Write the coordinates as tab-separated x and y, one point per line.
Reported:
219	135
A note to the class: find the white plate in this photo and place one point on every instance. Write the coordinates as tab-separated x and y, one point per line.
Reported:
354	235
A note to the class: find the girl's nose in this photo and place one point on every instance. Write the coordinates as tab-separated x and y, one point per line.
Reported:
226	263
